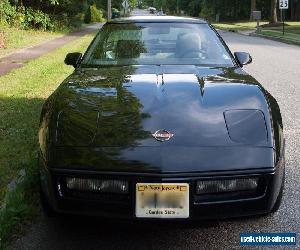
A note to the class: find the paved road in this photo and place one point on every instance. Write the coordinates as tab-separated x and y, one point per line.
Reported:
19	58
277	66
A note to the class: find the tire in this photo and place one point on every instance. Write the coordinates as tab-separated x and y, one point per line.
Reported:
46	208
280	195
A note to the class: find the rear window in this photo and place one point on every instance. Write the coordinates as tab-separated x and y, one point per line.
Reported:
157	44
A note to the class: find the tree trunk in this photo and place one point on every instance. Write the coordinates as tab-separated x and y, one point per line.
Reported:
273	17
253	8
292	10
297	11
109	10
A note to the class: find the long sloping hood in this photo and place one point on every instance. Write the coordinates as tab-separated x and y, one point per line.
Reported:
104	120
124	106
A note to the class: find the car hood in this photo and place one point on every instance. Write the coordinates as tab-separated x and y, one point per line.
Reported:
125	106
104	120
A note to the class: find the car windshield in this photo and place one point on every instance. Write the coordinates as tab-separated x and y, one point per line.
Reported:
157	44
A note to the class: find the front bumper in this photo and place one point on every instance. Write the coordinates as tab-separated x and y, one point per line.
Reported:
122	206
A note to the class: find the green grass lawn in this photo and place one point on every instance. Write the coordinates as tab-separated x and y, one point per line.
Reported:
18	38
292	32
237	26
22	94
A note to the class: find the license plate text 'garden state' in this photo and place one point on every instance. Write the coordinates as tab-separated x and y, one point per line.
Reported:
162	200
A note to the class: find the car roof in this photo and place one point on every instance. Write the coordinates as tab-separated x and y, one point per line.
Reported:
157	19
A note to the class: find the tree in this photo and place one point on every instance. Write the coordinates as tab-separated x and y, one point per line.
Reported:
207	10
253	8
273	17
295	10
171	6
160	4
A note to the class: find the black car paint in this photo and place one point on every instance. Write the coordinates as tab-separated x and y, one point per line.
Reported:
116	121
100	120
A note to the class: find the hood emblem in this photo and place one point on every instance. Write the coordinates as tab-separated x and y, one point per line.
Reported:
162	135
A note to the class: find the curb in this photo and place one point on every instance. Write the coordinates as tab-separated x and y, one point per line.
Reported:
244	33
249	33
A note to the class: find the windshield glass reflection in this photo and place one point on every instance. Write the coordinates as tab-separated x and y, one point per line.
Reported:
157	44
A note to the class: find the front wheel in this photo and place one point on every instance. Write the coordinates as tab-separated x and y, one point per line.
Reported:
280	195
46	208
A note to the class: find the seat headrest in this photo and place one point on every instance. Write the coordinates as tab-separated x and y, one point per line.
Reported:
186	43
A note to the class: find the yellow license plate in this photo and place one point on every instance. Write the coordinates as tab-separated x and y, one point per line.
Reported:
162	200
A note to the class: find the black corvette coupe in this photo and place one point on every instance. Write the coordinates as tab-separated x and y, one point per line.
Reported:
159	121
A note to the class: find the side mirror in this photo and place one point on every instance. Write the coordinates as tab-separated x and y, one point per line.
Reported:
73	59
243	58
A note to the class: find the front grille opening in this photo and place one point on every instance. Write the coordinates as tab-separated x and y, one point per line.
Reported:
84	188
229	189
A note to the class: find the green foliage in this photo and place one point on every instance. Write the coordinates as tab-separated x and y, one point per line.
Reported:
160	4
51	15
8	13
64	23
207	10
88	16
171	6
228	10
133	3
36	19
93	15
24	17
96	15
18	205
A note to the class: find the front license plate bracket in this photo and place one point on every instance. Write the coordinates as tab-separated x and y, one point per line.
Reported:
162	200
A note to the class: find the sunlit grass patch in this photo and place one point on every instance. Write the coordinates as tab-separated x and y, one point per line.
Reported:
236	26
22	94
291	34
15	38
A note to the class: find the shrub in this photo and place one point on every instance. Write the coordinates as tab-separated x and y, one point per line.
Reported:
63	22
93	15
87	16
96	14
8	13
24	17
207	12
27	17
37	19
